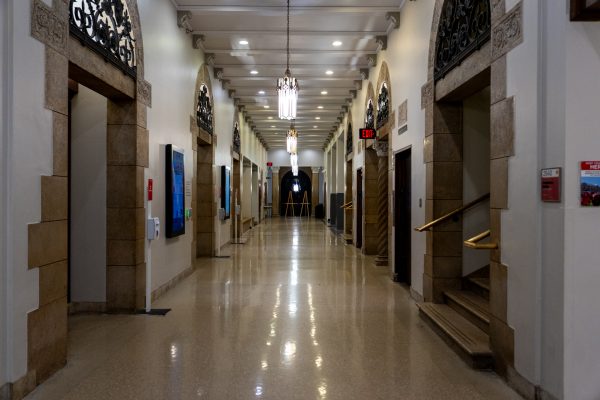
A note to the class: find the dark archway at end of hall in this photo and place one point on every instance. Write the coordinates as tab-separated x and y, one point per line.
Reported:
288	185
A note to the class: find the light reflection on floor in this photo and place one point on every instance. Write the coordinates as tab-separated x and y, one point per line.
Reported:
294	314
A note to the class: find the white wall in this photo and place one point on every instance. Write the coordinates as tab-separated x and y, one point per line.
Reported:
171	66
306	158
581	266
4	30
406	57
476	175
29	148
88	197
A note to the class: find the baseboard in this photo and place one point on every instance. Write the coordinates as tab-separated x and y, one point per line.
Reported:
525	388
416	296
20	388
87	307
161	290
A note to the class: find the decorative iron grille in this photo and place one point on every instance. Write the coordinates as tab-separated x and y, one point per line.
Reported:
204	117
237	142
370	116
349	144
105	27
465	26
383	103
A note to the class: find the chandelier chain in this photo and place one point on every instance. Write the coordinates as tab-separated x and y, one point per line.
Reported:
288	35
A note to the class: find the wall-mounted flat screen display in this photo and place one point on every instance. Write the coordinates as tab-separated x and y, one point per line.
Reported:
175	192
226	190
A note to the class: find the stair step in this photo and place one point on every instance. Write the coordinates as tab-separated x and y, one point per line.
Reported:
479	285
470	342
471	306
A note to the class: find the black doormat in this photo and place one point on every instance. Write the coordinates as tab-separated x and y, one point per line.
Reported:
154	311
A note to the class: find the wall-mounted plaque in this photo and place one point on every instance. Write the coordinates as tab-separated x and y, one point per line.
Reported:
551	185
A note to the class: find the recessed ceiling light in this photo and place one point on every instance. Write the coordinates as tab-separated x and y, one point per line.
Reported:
324	92
245	42
320	107
270	117
272	126
261	92
317	117
337	43
315	126
329	72
266	106
254	72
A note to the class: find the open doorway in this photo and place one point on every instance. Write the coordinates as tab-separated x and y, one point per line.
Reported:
296	188
87	188
402	218
348	210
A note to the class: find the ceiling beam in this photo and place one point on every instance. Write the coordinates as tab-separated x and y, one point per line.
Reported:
367	34
258	52
295	10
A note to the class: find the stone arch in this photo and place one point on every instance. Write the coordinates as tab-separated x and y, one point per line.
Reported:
442	100
127	141
205	173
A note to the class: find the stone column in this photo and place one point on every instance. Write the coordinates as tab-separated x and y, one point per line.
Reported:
275	183
315	189
382	203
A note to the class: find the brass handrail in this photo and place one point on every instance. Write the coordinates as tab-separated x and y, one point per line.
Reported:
452	213
473	243
347	205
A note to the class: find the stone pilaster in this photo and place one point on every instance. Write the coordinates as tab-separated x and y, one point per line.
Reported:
275	183
382	203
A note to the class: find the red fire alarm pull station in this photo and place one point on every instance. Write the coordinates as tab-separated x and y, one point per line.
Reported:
150	184
365	133
269	164
551	185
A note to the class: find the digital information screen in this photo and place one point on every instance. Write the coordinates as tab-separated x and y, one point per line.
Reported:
175	192
226	190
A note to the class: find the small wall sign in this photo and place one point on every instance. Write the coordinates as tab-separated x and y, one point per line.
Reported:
551	185
590	183
365	133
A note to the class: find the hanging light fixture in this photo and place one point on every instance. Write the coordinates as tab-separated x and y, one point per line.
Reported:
287	87
292	140
294	163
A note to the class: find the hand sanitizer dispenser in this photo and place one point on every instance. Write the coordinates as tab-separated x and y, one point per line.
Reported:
153	228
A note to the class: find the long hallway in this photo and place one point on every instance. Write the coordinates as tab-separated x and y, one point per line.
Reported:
293	314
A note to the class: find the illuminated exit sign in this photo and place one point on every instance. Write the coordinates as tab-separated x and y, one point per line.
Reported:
367	133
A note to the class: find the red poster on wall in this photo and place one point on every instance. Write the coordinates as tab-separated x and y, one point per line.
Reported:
590	183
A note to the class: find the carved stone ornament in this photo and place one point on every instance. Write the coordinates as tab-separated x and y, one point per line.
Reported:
403	113
144	92
49	28
210	59
364	73
427	94
508	33
381	148
394	18
198	41
184	19
381	42
372	59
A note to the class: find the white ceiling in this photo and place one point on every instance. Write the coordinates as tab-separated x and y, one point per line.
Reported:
314	26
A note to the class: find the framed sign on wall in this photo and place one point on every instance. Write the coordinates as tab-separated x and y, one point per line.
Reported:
585	10
226	190
175	192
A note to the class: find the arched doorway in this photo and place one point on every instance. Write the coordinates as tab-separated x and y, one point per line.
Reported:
297	186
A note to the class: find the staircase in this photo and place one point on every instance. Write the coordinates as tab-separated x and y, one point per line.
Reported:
463	321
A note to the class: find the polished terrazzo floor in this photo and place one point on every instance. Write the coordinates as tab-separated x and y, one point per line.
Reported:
293	314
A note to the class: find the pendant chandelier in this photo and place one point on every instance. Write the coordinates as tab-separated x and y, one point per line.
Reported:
287	87
292	140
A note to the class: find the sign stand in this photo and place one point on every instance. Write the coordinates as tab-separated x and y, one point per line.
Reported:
305	205
290	202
